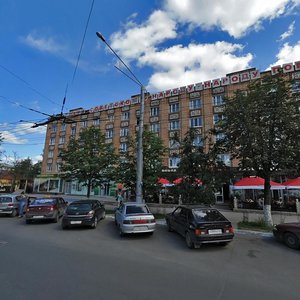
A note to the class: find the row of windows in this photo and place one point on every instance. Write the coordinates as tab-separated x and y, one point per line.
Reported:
154	127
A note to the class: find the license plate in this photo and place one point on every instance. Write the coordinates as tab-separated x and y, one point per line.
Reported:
215	231
140	228
75	222
38	217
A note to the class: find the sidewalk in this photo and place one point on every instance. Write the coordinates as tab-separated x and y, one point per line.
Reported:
233	216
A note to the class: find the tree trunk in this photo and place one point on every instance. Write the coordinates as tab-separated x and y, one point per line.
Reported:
88	189
267	198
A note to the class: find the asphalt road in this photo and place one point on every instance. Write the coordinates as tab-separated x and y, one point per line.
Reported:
41	261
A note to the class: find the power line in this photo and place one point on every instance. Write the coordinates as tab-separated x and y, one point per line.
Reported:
83	39
28	84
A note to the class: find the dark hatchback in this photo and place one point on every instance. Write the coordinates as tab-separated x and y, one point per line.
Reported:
45	209
83	213
289	233
200	225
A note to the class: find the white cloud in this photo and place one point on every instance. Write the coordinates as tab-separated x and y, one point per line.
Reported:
137	40
17	134
44	44
180	65
288	54
288	33
237	17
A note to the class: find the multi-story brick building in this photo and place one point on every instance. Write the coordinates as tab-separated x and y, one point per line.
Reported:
173	111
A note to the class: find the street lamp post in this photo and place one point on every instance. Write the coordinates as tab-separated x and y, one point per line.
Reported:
139	154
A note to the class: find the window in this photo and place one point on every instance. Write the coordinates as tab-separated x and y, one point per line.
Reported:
195	103
173	144
175	124
198	141
49	167
174	107
218	118
84	124
220	136
73	131
62	140
96	122
54	128
125	116
218	100
50	154
63	127
174	162
58	167
124	131
154	127
154	111
109	133
52	141
196	122
296	87
123	147
111	118
225	158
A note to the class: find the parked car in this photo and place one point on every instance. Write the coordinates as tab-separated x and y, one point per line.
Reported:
83	213
45	209
289	233
132	217
200	225
9	204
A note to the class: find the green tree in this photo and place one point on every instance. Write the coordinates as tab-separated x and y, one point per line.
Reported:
153	150
199	163
262	130
89	159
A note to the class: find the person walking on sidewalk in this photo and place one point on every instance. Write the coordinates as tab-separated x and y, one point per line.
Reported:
22	204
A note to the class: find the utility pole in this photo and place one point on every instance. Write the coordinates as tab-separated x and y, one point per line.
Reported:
139	154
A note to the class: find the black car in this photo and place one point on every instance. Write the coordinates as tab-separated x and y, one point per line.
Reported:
200	225
83	213
289	233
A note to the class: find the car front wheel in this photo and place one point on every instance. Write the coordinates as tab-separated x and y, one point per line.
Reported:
291	240
188	241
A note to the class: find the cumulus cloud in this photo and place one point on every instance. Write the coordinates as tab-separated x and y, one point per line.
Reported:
288	53
175	65
180	65
136	40
236	17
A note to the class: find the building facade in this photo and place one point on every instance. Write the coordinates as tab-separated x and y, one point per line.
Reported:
167	113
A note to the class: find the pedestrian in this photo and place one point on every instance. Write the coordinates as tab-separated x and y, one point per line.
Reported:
120	199
22	204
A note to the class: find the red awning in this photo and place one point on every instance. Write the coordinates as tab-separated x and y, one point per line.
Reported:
255	183
292	183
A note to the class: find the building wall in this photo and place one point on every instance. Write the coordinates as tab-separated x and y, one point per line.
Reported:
112	117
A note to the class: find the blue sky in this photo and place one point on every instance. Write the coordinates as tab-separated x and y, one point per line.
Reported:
167	44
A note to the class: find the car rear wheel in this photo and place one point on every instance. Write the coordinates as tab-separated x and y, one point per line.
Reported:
188	241
291	240
14	213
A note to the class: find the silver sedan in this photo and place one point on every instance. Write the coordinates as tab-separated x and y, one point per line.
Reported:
132	217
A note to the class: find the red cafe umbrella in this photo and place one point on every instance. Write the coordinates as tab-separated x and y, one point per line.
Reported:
255	183
164	182
179	181
292	183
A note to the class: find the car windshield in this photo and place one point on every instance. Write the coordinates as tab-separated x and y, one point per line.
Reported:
43	202
136	209
79	206
5	199
207	215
